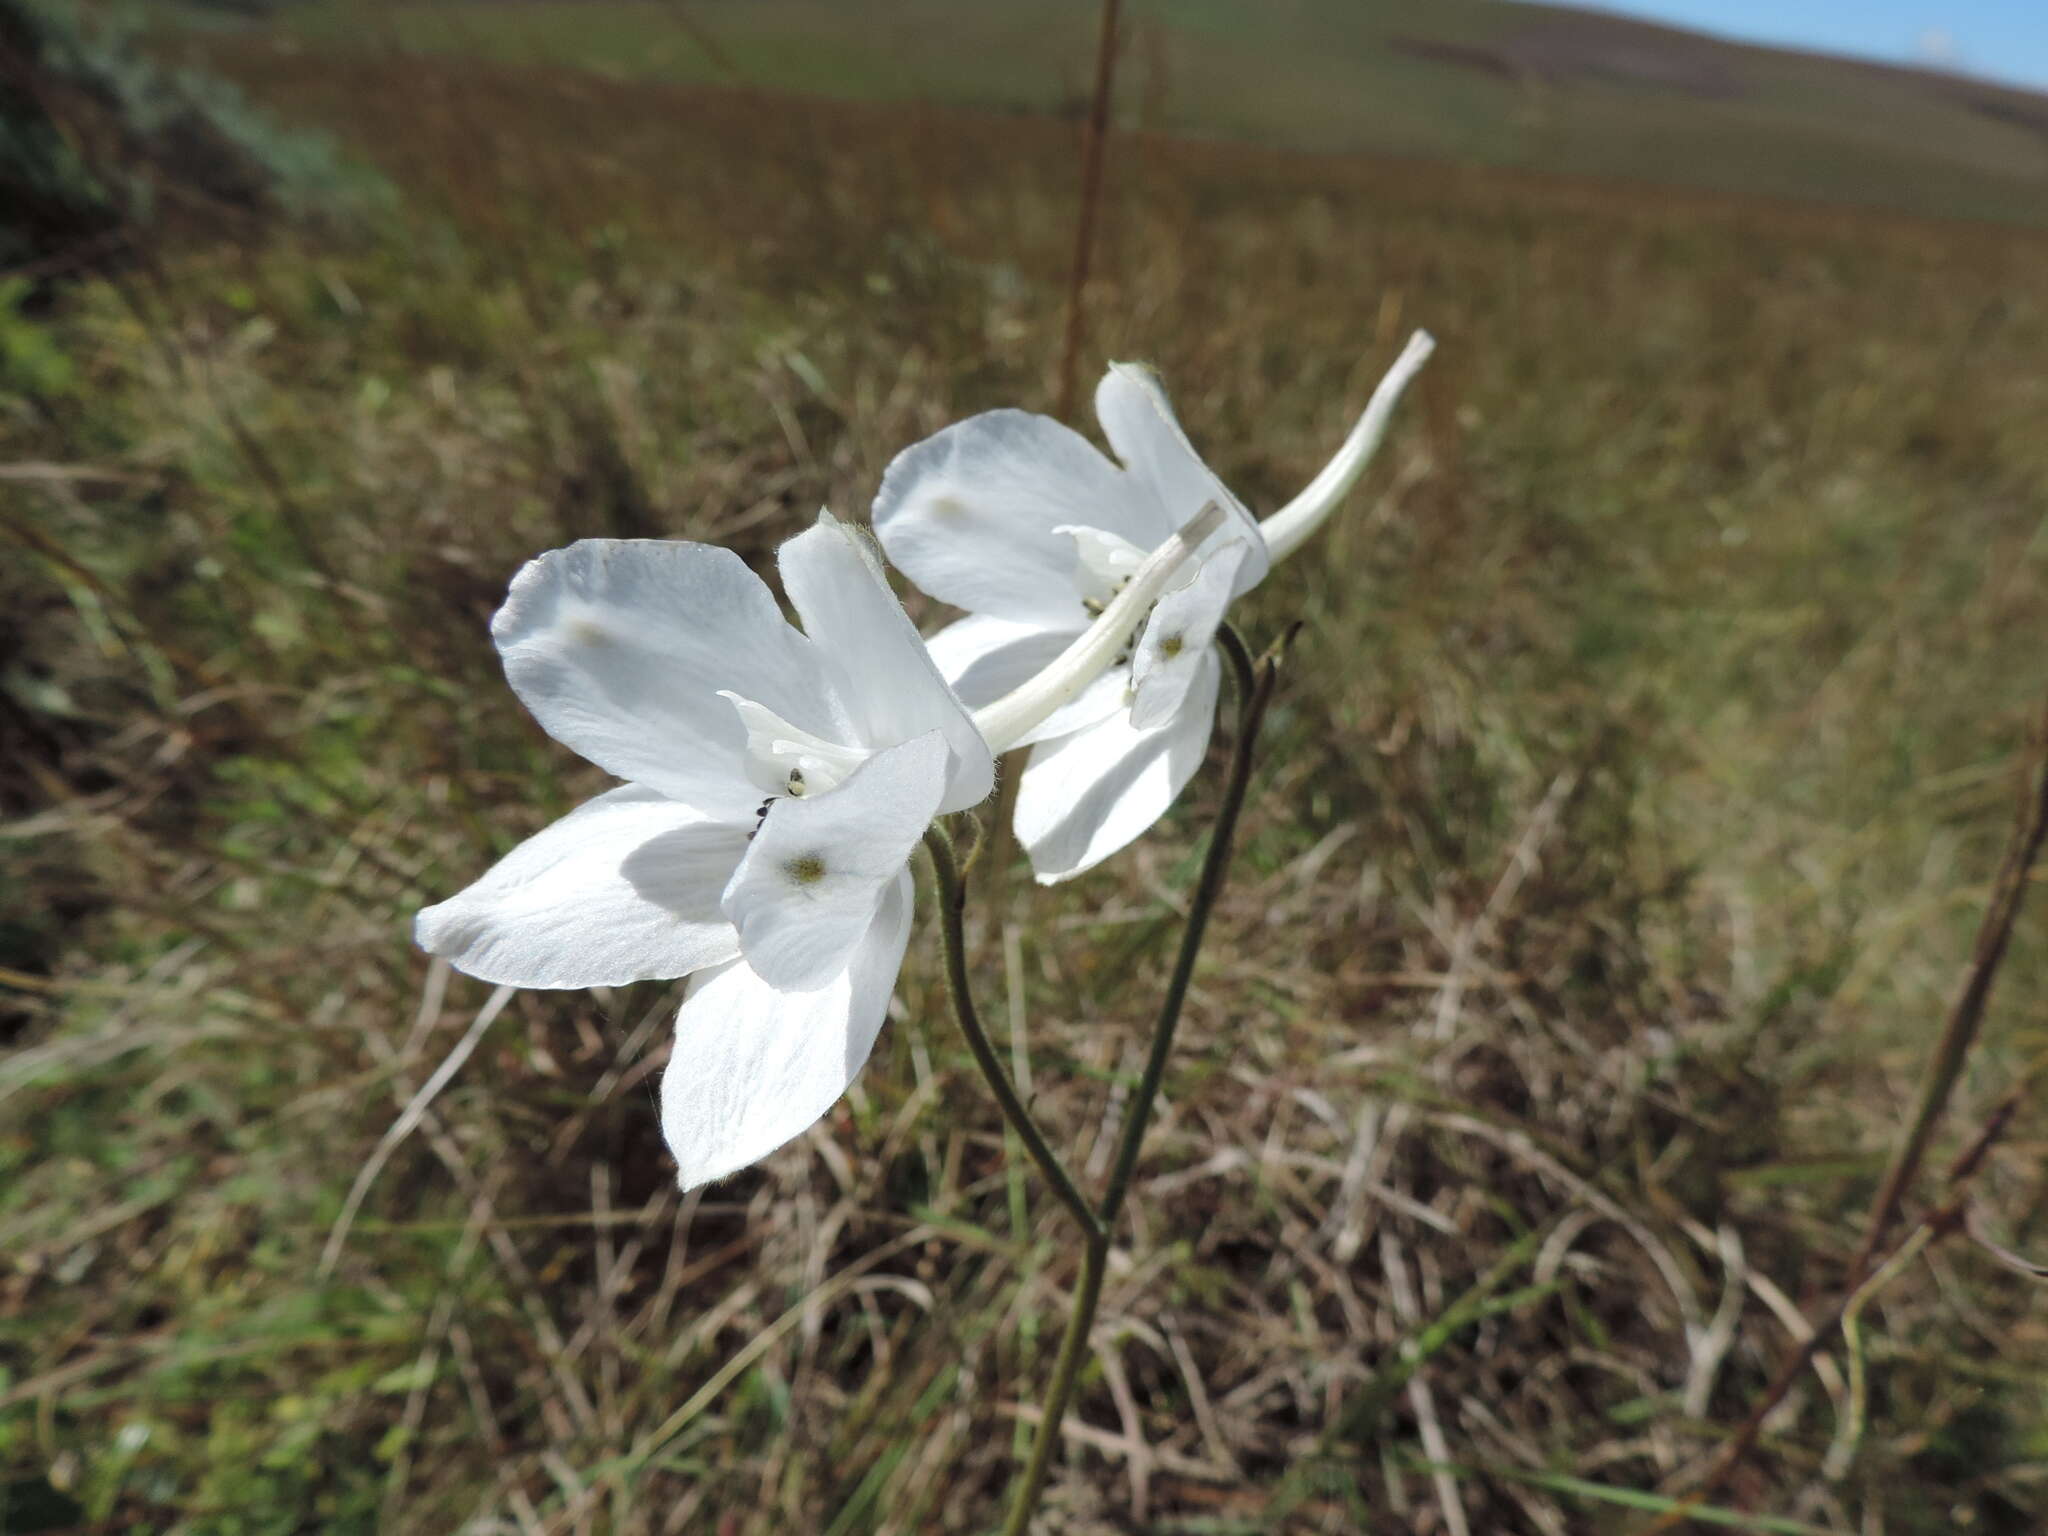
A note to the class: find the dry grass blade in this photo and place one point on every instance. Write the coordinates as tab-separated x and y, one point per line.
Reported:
1434	1445
74	473
651	1443
1474	936
408	1120
1631	1498
1974	1224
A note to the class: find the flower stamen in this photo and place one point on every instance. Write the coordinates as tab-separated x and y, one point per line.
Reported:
786	759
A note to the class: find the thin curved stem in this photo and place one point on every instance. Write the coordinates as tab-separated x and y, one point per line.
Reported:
952	915
1091	196
1254	693
1242	669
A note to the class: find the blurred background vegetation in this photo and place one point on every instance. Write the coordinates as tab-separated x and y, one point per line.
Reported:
1622	831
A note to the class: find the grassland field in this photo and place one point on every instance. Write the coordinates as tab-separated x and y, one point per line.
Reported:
1486	82
1656	725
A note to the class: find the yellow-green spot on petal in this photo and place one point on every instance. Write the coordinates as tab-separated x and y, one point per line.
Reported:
590	633
1171	646
805	869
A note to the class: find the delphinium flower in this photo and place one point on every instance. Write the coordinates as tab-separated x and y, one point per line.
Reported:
778	780
1030	529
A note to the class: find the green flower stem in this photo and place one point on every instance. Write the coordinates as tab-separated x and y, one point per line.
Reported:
1254	693
1254	684
952	914
1066	1371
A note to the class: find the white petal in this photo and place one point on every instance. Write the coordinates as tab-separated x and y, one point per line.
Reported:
1085	796
874	659
1138	420
624	888
755	1066
619	648
1177	637
984	658
1109	694
969	514
807	888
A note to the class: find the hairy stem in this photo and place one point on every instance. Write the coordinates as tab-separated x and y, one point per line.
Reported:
1066	1371
952	925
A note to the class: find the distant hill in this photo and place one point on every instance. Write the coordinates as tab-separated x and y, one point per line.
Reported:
1495	82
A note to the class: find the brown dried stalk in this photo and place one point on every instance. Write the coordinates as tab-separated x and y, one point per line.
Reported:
1958	1034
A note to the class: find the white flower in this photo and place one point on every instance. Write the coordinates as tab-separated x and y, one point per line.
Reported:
1030	529
778	780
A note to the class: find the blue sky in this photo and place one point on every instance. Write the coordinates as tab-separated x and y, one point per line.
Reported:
2000	39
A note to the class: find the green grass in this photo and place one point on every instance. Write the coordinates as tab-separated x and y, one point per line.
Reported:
1707	559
